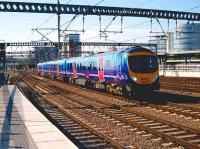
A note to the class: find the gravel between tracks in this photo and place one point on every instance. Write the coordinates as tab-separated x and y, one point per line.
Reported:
131	137
111	100
178	119
138	140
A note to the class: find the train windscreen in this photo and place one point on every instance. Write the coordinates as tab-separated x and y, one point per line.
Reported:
143	64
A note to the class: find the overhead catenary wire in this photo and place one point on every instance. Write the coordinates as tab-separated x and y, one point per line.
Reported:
71	20
148	1
144	3
76	16
195	7
50	17
99	2
140	4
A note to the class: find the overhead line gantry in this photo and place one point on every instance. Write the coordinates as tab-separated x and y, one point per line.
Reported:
27	7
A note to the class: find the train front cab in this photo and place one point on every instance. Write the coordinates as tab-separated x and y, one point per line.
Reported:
143	71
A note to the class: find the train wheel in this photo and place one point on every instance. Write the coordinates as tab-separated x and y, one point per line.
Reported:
109	88
125	92
87	83
128	91
65	79
74	81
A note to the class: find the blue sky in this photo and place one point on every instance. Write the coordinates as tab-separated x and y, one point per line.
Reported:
16	27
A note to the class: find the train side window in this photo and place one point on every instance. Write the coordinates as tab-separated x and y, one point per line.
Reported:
77	65
108	65
59	67
100	68
89	65
84	66
94	65
80	66
70	66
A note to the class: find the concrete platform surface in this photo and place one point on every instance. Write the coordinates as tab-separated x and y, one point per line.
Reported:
22	126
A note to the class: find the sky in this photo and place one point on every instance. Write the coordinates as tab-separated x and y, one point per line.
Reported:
17	27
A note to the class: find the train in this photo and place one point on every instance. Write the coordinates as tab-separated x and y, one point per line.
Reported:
132	70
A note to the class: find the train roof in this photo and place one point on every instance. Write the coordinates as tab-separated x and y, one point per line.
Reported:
127	50
138	49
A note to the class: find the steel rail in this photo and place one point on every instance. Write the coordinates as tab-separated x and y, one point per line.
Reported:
108	139
146	128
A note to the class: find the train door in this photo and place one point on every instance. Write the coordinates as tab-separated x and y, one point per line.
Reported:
100	70
49	68
119	63
58	68
74	70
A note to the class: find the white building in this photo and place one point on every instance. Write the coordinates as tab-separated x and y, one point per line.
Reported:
187	37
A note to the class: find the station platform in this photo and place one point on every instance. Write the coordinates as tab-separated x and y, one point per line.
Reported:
22	126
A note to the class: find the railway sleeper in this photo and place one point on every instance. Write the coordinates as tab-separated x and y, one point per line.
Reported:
99	145
130	118
86	137
176	133
141	120
153	124
73	127
91	141
187	136
69	125
197	141
168	129
145	122
195	112
76	130
81	133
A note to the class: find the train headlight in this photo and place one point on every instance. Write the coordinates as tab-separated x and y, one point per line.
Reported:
134	78
155	77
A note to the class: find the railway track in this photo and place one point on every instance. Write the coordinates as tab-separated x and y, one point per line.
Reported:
117	101
82	134
182	109
180	85
148	125
102	121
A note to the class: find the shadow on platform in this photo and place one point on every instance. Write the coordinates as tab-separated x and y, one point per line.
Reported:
6	129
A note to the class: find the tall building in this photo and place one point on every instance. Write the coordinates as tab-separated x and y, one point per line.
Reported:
74	49
164	43
187	37
43	54
2	59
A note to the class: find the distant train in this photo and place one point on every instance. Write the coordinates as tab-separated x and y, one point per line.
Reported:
123	72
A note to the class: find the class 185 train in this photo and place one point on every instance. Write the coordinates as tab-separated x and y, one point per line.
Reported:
131	70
